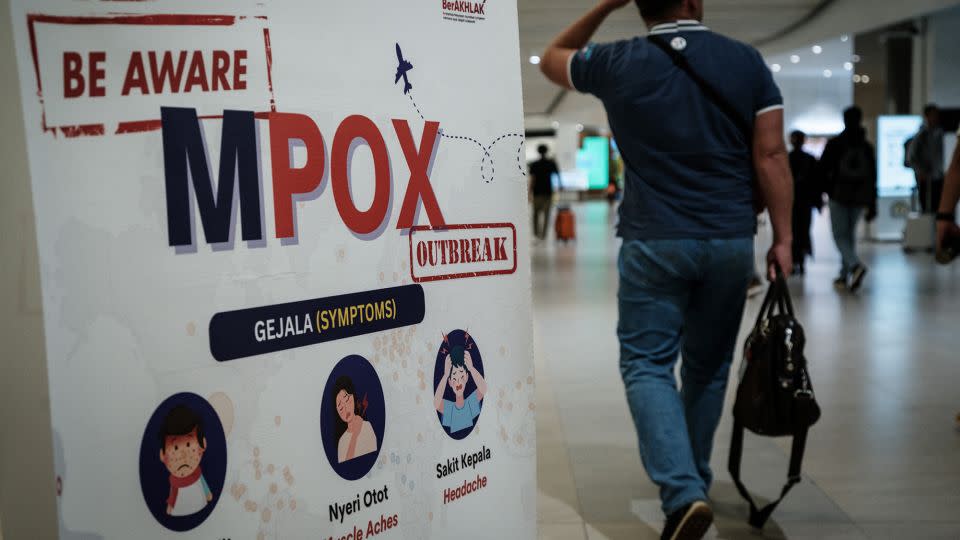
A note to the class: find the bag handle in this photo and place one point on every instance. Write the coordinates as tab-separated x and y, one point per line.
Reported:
768	302
786	303
778	296
760	516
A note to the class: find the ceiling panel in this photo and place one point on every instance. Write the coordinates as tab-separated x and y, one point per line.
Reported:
541	20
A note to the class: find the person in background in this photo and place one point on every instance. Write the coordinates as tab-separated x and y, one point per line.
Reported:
849	170
926	157
541	183
806	197
687	221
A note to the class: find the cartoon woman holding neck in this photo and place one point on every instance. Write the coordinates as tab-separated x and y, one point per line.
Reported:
354	434
458	368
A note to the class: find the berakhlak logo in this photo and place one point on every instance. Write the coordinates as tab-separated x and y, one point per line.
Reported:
464	11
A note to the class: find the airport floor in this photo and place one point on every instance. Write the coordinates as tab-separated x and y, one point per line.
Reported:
883	462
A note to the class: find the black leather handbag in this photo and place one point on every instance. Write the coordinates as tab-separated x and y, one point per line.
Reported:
775	397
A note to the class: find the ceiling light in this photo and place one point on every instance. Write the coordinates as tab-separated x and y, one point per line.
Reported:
827	73
776	68
857	78
848	66
865	79
844	38
817	49
795	59
856	58
534	59
555	124
579	127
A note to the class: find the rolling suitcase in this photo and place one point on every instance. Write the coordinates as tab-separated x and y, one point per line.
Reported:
565	226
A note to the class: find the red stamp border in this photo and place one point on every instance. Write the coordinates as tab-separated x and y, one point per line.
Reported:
145	20
462	275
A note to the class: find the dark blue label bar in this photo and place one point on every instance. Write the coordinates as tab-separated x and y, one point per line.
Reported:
267	329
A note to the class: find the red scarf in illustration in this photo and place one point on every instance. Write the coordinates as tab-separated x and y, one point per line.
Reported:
177	483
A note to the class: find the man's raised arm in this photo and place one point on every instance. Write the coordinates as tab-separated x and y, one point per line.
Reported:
556	59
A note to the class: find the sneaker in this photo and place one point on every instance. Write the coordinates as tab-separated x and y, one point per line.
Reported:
689	523
840	283
755	287
856	279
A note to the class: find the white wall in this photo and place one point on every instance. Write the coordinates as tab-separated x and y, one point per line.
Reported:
27	493
943	41
815	104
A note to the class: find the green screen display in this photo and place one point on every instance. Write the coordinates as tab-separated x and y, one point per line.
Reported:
594	158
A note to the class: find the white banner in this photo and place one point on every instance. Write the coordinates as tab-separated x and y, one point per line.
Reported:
284	268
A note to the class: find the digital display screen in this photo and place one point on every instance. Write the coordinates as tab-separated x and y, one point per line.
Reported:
594	159
894	179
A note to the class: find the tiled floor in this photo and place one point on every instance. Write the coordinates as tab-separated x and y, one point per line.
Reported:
884	462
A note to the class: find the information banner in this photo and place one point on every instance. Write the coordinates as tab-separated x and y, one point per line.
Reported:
284	267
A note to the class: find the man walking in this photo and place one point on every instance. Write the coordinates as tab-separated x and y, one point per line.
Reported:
687	221
807	195
541	183
926	158
850	175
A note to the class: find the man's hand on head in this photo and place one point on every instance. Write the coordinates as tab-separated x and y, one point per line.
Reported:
558	55
615	4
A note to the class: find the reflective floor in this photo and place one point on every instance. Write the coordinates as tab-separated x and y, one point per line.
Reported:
883	462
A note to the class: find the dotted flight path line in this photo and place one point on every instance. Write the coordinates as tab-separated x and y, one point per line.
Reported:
486	149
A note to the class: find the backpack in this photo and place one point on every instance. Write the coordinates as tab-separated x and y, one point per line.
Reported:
854	165
774	397
907	148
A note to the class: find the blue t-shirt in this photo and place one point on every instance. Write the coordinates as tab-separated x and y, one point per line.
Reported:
460	418
688	168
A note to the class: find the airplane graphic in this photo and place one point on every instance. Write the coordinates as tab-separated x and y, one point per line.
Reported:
402	68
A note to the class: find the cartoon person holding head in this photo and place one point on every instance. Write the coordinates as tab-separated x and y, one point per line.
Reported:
182	445
355	435
458	368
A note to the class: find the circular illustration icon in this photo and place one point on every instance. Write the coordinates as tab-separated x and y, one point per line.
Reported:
352	417
183	461
459	386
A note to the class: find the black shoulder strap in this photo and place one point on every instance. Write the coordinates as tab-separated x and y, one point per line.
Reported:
708	90
759	516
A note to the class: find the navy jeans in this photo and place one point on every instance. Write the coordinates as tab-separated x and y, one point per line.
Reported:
844	220
680	296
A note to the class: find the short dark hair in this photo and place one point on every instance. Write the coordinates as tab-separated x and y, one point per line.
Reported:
542	149
653	9
853	116
456	357
181	420
931	107
797	133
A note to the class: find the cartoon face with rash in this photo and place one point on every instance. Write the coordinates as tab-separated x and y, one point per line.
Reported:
182	446
181	454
